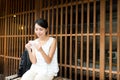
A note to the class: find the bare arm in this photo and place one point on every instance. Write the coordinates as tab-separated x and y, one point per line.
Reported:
48	58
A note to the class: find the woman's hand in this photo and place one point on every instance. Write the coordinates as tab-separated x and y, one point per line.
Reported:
31	50
28	47
37	46
31	45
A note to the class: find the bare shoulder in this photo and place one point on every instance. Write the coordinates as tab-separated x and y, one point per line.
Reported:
54	40
36	39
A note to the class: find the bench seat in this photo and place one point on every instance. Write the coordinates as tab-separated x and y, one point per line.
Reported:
18	78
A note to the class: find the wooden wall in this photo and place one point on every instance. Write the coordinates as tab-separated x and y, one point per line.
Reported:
16	29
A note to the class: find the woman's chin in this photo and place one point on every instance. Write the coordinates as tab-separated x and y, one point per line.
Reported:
39	36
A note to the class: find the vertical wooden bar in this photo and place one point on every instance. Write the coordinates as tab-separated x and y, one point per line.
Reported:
56	20
52	20
94	38
10	26
10	60
61	54
88	22
76	30
15	62
10	7
70	76
23	6
8	21
76	47
5	54
40	13
17	6
65	56
11	38
102	38
31	24
13	5
13	67
71	17
44	13
48	20
118	40
20	5
29	5
71	12
22	29
110	47
20	38
17	21
5	47
82	19
15	34
61	21
17	47
14	48
66	20
61	40
8	71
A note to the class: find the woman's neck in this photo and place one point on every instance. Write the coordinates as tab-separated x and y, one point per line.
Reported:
43	38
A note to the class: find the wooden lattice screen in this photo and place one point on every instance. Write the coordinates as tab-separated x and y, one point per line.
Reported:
16	29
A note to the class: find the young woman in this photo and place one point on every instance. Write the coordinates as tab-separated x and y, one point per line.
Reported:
42	53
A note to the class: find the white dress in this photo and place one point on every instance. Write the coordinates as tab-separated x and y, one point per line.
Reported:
41	70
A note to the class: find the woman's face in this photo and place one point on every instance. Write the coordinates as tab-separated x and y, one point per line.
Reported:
40	31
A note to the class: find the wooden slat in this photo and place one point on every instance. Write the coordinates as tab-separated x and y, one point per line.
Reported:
71	10
52	21
88	23
118	40
57	21
48	20
102	38
94	37
5	50
66	20
61	40
15	31
76	39
110	47
82	19
23	27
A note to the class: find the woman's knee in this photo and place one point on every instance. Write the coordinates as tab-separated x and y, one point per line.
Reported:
43	77
29	75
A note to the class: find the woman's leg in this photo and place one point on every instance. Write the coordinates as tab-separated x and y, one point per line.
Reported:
43	77
29	75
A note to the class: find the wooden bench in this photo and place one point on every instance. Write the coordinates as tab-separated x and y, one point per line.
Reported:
13	77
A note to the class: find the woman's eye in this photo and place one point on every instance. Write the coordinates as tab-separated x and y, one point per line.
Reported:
40	29
36	29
